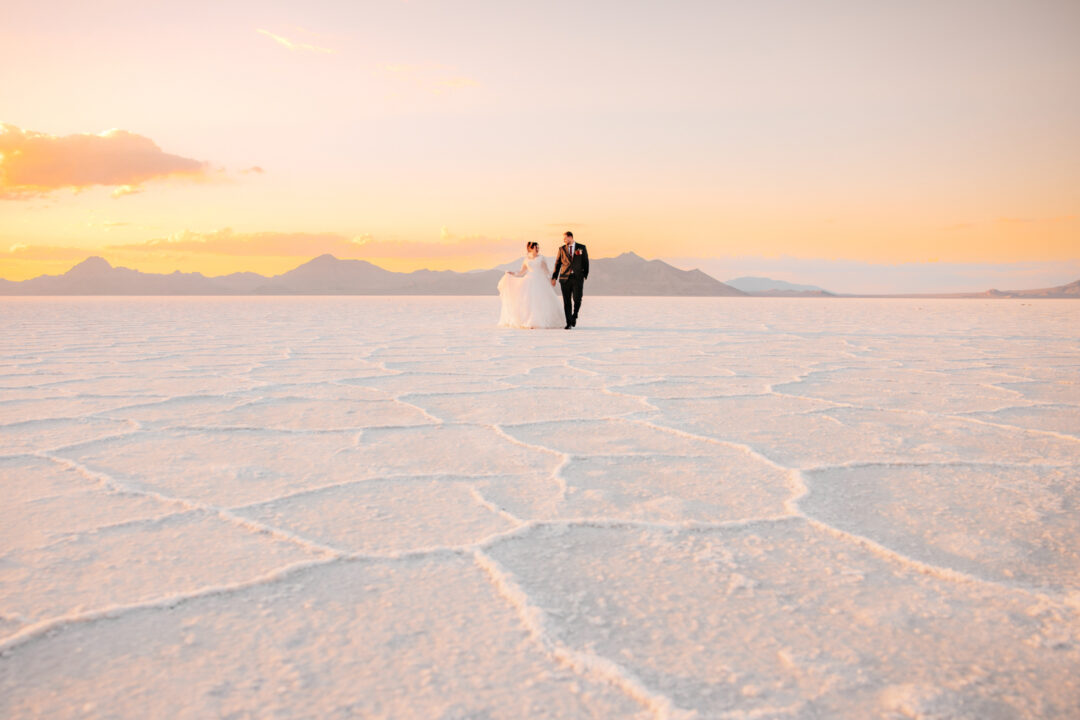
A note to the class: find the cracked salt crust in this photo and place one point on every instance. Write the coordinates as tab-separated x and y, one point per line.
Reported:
709	508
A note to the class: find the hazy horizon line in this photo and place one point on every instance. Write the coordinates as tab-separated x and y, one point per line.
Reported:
874	278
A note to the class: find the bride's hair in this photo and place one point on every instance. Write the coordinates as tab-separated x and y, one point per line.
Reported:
530	245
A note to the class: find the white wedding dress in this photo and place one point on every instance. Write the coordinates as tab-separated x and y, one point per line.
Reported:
530	301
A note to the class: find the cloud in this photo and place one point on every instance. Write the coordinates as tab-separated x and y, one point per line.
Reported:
431	78
107	225
253	169
285	42
126	190
33	164
308	245
449	246
227	251
22	251
228	242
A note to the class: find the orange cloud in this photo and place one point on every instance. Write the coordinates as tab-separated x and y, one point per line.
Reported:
431	78
126	190
34	164
224	251
449	247
307	245
107	225
291	45
21	251
227	242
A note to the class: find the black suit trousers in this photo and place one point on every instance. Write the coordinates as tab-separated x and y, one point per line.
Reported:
572	287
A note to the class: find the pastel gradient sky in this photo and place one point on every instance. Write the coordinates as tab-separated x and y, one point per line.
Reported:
243	135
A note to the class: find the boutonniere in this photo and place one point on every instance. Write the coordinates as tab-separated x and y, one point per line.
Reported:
577	252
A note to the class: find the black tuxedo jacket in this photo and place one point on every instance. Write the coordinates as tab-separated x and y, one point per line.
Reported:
577	265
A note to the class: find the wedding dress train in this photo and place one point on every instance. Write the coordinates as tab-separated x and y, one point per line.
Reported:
530	301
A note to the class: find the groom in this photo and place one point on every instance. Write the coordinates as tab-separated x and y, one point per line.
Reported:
573	261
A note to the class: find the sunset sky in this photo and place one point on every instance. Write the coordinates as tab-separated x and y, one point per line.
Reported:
936	137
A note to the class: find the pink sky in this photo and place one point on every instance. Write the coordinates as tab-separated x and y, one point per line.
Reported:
218	136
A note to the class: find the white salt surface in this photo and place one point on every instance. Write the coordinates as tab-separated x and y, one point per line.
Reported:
684	508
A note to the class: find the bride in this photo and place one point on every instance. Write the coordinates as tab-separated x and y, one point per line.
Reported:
528	298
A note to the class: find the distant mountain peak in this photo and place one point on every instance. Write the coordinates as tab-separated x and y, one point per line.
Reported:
93	264
331	261
754	284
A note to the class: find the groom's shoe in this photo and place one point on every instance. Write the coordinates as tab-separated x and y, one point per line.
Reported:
573	321
568	326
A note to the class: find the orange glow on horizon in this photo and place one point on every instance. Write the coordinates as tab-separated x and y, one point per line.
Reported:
213	266
1000	240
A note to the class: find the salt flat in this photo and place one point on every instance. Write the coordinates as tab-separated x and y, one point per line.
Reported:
389	507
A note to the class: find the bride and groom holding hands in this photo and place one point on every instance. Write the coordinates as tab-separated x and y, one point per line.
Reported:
528	296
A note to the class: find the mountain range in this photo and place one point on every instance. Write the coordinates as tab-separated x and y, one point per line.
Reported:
627	274
1061	292
767	287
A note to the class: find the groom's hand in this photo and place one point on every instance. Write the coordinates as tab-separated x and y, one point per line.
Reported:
552	282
